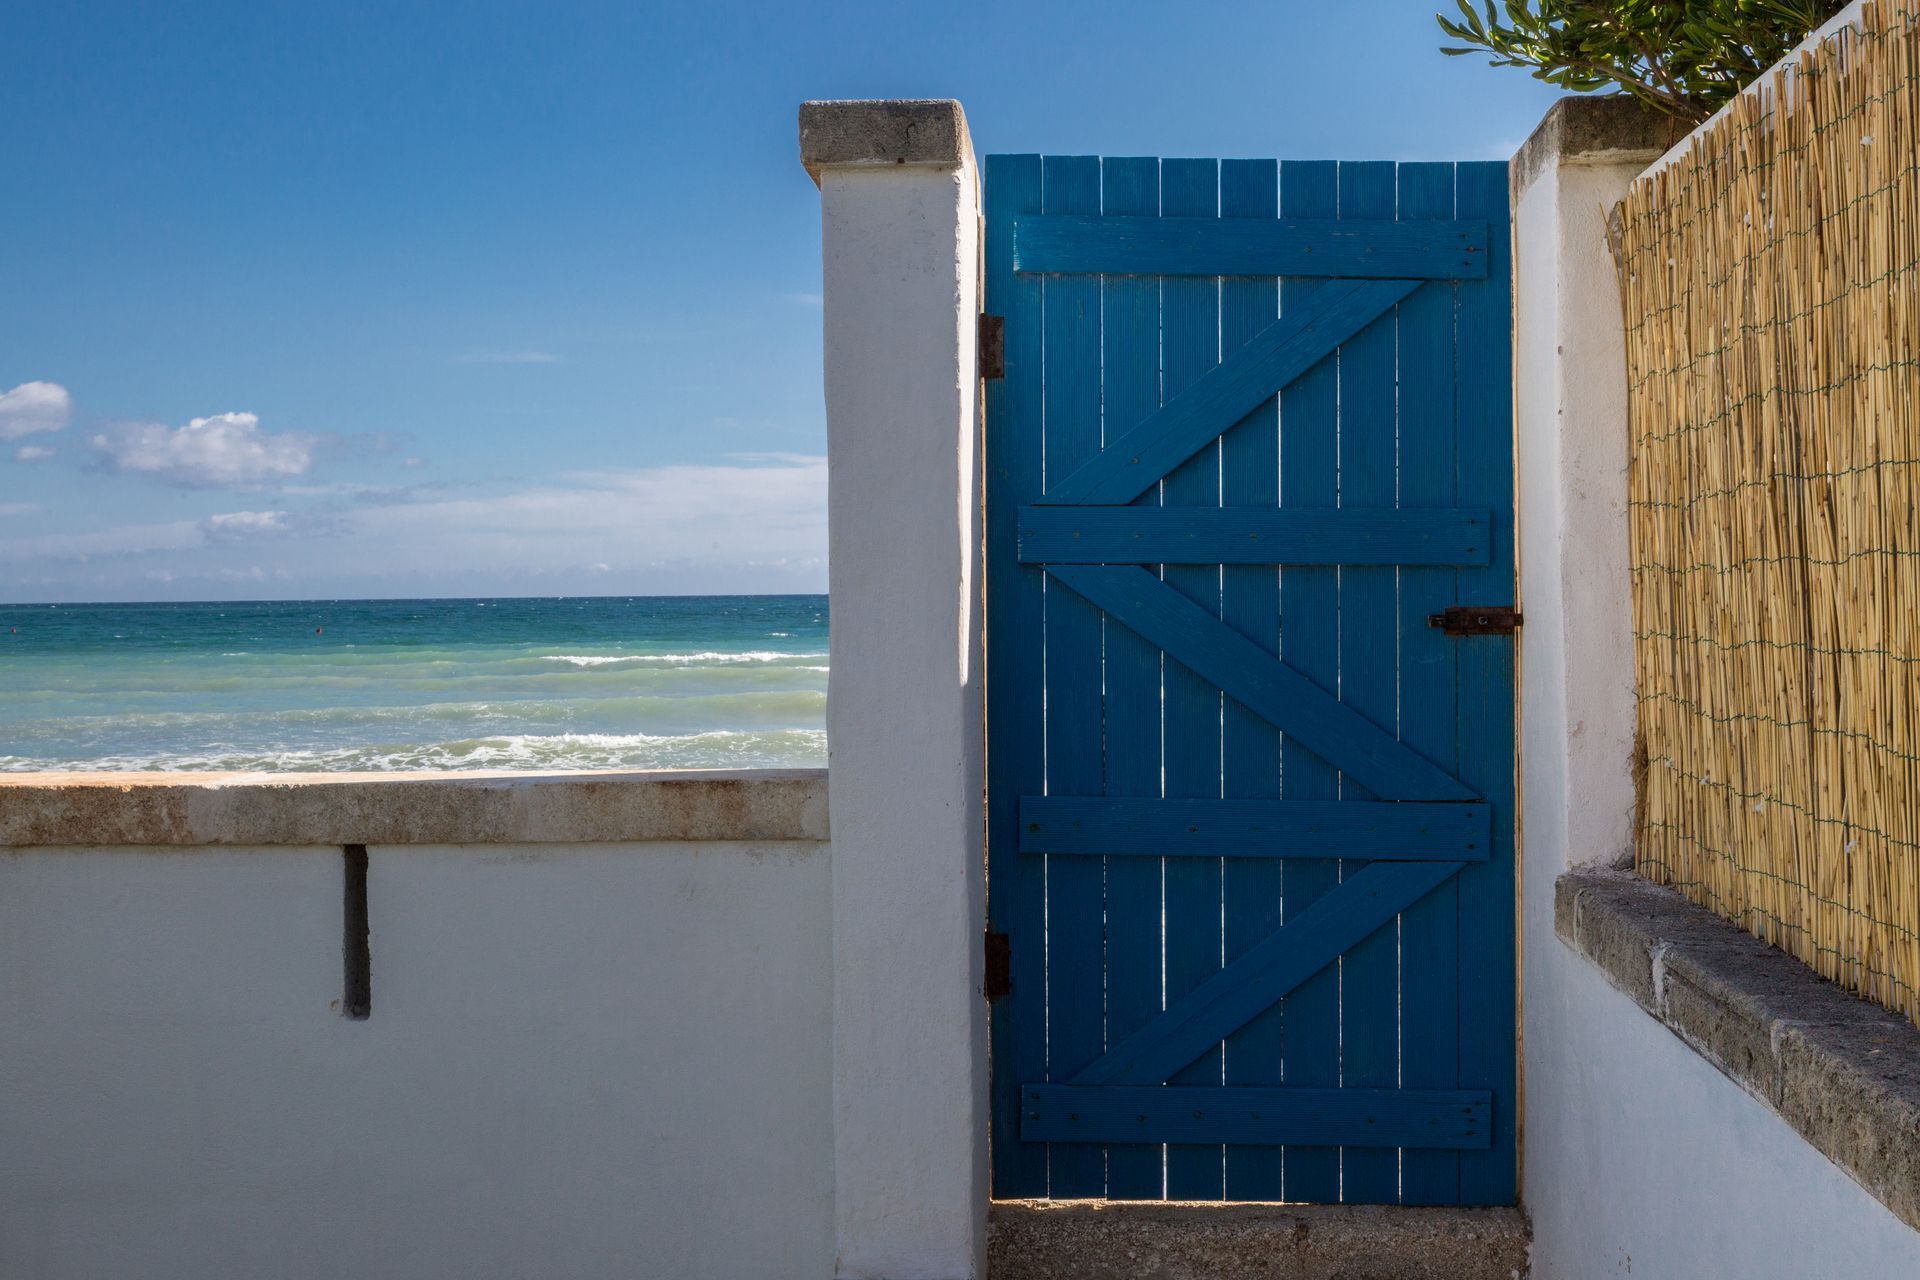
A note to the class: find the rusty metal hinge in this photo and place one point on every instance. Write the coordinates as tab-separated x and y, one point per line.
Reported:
993	346
1477	620
999	966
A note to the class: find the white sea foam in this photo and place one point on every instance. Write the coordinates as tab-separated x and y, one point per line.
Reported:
713	657
257	687
560	751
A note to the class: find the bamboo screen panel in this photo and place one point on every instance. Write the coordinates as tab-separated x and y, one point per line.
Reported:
1771	282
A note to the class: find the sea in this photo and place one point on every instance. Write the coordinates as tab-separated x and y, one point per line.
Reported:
617	682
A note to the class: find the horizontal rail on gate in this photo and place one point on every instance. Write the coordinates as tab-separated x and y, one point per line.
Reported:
1252	535
1353	247
1427	1119
1383	831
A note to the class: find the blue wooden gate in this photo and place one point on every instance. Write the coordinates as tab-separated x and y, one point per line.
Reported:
1250	814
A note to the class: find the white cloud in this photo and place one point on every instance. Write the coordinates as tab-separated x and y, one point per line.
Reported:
743	524
115	540
765	507
247	524
507	357
32	453
34	406
18	508
226	449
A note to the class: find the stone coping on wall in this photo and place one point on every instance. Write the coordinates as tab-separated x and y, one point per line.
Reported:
177	809
1101	1240
1845	1074
1608	129
883	132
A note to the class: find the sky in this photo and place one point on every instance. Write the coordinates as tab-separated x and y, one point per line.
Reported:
482	298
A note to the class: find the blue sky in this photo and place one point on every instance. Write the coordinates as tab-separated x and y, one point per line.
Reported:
522	299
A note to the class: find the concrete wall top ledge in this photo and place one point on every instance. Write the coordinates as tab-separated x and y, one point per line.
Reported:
179	809
1609	129
883	131
1845	1074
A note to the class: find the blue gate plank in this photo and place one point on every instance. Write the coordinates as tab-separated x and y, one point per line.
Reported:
1271	689
1364	1118
1487	978
1310	643
1250	604
1190	346
1318	322
1076	931
1247	534
1016	905
1429	930
1241	828
1130	335
1175	246
1268	970
1369	676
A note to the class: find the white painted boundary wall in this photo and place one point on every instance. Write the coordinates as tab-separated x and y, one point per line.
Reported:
900	220
1639	1156
583	1060
621	1026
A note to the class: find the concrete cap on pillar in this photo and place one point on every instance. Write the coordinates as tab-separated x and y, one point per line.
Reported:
1607	129
883	131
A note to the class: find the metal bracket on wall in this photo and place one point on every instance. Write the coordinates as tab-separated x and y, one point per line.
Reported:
999	966
993	346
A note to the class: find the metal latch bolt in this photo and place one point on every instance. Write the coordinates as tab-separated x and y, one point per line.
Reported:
1477	620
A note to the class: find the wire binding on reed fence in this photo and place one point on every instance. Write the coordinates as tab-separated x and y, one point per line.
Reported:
1771	285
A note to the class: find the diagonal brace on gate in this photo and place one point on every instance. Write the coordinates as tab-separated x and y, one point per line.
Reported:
1263	684
1307	334
1270	969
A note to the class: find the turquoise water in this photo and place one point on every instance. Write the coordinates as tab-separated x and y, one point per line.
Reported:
595	683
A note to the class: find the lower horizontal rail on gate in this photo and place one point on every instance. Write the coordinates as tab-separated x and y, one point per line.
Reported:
1389	831
1428	1119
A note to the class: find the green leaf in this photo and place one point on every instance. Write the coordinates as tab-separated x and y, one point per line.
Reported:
1705	51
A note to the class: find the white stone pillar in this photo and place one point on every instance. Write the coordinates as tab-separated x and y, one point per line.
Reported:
1570	415
900	212
1576	650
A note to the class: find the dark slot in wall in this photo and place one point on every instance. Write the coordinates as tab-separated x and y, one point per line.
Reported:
356	952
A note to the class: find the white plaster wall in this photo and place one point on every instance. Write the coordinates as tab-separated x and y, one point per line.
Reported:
901	251
1643	1160
1576	649
583	1061
1639	1158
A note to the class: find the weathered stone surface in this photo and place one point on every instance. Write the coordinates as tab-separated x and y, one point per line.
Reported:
1618	944
884	131
1593	130
1091	1240
1853	1090
1721	1031
1845	1074
409	808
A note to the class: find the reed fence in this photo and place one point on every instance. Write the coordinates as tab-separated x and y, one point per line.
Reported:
1771	285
